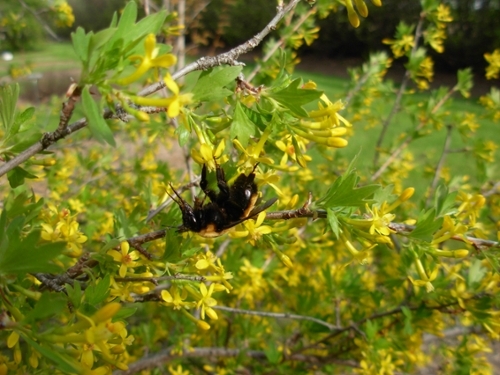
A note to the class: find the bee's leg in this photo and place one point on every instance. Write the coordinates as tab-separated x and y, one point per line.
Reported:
204	185
221	183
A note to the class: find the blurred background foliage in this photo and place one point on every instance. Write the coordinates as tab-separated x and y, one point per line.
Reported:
221	24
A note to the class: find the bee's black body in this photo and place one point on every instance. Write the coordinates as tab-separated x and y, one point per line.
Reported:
231	206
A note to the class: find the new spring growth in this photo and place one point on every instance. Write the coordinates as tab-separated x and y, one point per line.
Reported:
325	127
362	10
424	279
149	60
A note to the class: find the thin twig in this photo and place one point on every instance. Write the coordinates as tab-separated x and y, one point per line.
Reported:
411	136
399	96
440	164
280	43
331	327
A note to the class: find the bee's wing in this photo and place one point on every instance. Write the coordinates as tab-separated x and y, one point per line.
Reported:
255	211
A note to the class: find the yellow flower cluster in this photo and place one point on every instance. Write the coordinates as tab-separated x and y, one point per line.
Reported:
64	13
61	226
493	68
188	295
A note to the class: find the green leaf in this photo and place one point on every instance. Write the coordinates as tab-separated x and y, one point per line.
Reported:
74	294
25	142
426	225
124	313
8	99
408	316
293	97
257	118
81	42
20	255
210	84
273	354
96	122
344	193
148	25
476	273
99	39
333	221
127	18
21	118
95	294
242	127
63	361
444	202
48	305
17	175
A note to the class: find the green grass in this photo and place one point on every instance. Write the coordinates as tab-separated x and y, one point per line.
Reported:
50	57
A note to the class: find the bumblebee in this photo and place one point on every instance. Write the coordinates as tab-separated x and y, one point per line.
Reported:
231	206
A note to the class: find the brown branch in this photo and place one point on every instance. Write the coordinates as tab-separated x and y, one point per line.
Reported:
168	355
57	282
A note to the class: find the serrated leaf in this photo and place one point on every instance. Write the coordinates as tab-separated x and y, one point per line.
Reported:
444	202
8	100
344	193
95	294
96	122
210	84
242	127
426	225
48	305
74	294
476	273
99	39
293	97
20	255
17	175
81	42
257	118
148	25
21	118
408	317
128	17
333	221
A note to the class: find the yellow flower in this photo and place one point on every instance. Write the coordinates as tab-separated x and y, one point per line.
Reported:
443	13
176	298
174	103
380	223
493	60
206	302
435	37
148	61
254	229
177	371
402	46
208	155
125	258
424	279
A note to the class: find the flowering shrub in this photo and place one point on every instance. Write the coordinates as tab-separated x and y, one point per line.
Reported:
348	272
